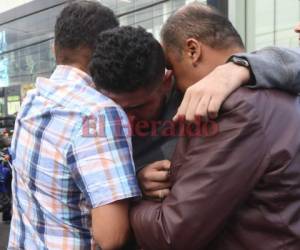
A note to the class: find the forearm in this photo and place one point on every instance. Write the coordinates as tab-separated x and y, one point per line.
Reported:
275	67
110	225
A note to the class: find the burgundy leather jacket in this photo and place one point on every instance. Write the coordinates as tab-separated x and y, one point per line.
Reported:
236	190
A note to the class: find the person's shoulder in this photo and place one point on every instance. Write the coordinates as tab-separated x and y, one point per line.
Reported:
257	96
254	97
98	102
107	108
243	103
102	107
242	96
261	102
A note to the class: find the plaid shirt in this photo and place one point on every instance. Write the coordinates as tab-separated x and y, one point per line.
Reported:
71	152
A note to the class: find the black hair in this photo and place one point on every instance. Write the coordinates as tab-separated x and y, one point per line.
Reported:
80	22
203	23
126	59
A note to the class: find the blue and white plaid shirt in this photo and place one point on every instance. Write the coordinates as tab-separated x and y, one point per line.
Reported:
71	152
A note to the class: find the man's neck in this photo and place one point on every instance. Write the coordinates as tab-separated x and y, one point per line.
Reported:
219	57
212	58
80	66
79	57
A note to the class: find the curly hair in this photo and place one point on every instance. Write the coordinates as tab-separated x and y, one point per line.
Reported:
126	59
80	22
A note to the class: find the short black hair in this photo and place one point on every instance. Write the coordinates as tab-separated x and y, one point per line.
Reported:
203	23
80	22
126	59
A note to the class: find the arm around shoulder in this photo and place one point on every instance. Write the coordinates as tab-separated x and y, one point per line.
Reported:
213	176
275	67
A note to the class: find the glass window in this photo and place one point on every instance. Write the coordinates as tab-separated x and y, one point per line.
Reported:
25	47
265	23
152	18
25	44
123	6
30	29
7	5
287	16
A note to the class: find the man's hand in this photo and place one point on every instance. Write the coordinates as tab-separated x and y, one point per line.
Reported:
154	179
204	98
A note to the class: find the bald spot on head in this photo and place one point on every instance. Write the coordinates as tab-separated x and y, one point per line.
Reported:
200	22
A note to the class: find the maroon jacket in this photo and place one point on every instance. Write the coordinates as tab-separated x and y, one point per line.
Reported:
239	189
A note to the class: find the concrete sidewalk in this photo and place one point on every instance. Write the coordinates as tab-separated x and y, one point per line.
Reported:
4	231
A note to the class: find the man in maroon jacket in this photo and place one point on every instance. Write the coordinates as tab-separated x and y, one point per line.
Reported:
238	189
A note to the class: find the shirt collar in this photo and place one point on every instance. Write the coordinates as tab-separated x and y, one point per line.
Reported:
69	73
69	86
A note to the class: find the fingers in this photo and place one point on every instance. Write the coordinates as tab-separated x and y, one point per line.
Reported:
152	189
193	104
213	108
204	99
155	177
155	186
162	165
202	108
198	107
160	176
158	194
155	172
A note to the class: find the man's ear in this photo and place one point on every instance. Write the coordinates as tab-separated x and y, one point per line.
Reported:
194	50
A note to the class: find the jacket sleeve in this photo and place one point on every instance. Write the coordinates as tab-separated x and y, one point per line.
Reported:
275	67
210	176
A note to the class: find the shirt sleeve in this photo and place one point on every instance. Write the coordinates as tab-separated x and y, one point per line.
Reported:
100	158
210	177
275	67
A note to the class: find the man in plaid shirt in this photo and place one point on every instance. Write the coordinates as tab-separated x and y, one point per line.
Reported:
72	178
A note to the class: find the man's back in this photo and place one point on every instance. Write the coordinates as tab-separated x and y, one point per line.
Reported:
267	217
238	189
61	168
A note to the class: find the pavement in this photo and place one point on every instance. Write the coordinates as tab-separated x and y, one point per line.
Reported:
4	231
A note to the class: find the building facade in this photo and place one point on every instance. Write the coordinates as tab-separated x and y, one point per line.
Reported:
26	33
